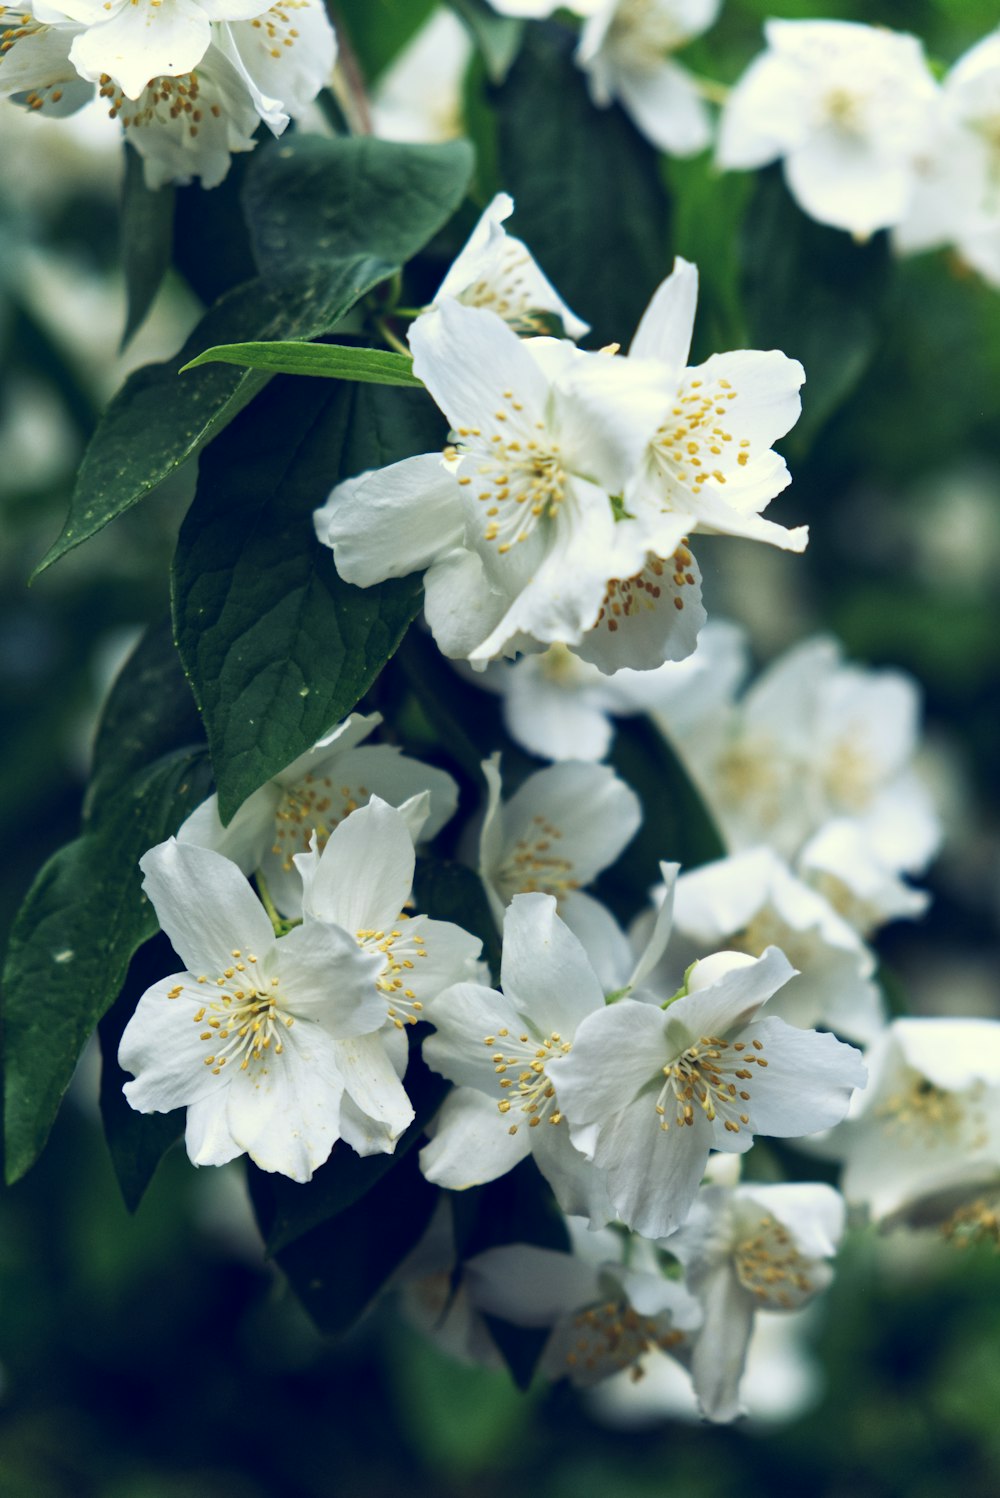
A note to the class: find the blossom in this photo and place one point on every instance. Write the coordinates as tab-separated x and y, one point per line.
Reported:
746	1249
361	882
497	271
625	51
604	1316
312	796
498	1048
850	108
710	465
561	828
251	1037
419	96
35	63
929	1122
649	1092
840	862
751	901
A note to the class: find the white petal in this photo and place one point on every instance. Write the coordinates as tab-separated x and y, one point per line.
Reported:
467	358
364	875
206	1133
461	606
720	1351
392	522
808	1082
583	812
530	1286
472	1142
248	835
730	1002
464	1016
665	329
665	105
328	978
205	906
285	1114
603	940
370	1080
838	179
162	1048
544	968
617	1052
140	42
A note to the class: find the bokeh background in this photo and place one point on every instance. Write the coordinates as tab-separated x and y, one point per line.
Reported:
157	1355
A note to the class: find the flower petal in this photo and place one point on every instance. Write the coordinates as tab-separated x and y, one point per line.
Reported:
472	1142
204	905
392	522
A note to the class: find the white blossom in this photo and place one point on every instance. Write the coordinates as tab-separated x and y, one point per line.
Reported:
251	1038
419	96
35	66
849	108
312	796
648	1093
626	52
929	1121
746	1249
840	862
497	1048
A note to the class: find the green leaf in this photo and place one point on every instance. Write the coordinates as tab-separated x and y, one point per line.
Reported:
147	228
149	711
378	30
311	203
339	1268
83	919
591	203
291	1209
276	645
498	38
378	203
452	892
137	1142
809	291
332	361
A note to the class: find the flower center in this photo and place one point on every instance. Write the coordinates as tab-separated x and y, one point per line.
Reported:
628	597
842	108
402	951
244	1019
693	437
642	34
533	867
767	929
928	1115
613	1336
163	100
705	1076
976	1222
770	1266
310	807
521	478
520	1067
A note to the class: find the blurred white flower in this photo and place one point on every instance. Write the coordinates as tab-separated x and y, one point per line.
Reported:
850	108
419	96
625	51
311	797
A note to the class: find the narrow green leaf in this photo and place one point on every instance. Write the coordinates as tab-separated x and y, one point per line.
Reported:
590	196
311	202
137	1142
276	645
83	919
498	38
293	1209
453	892
331	361
338	1268
149	711
809	291
147	227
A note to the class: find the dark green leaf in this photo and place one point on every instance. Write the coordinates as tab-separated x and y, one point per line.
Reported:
312	203
291	1210
810	292
498	38
676	824
452	892
466	721
332	361
591	203
277	646
147	229
149	711
137	1142
339	1268
518	1208
83	919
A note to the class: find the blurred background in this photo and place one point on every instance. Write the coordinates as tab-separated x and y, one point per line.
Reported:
156	1355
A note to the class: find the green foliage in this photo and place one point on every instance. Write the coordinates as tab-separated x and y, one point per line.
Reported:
498	38
72	941
590	196
147	230
278	648
332	361
453	892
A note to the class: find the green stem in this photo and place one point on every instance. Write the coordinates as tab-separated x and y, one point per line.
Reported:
710	89
277	921
390	337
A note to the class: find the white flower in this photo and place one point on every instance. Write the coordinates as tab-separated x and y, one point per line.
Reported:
929	1121
251	1037
284	54
311	797
35	63
850	108
625	50
361	882
497	271
436	1299
957	200
419	96
752	901
710	465
746	1249
497	1048
840	862
561	828
604	1317
649	1093
518	526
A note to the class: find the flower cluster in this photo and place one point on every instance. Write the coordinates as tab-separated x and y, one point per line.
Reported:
189	80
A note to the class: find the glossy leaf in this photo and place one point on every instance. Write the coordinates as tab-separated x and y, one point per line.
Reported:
331	361
147	234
